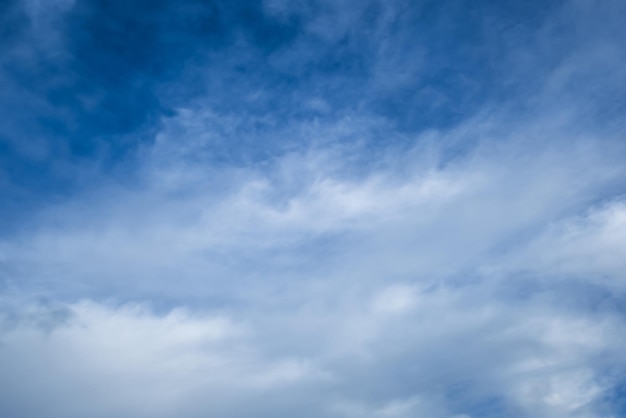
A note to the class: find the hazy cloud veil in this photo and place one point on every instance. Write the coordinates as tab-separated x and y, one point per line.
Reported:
325	208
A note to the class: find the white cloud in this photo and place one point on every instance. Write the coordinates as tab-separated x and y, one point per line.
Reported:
133	361
337	286
411	216
396	299
588	246
336	279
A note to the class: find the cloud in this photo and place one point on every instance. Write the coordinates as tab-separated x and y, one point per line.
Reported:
408	288
313	209
585	247
104	360
445	357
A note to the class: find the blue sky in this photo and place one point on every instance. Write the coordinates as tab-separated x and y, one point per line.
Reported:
372	209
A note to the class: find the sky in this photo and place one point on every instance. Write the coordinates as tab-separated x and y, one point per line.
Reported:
312	208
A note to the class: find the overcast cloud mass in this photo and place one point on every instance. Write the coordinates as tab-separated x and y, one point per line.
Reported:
312	208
